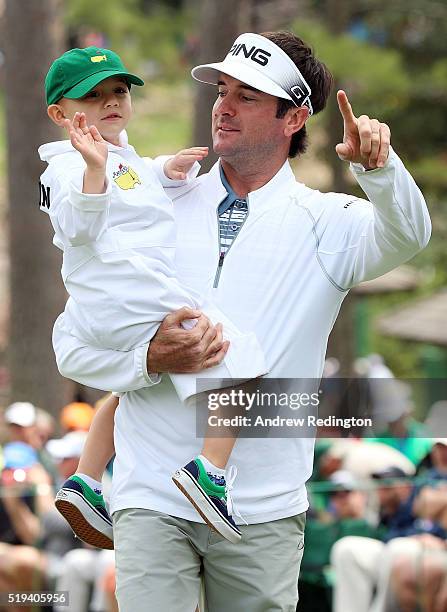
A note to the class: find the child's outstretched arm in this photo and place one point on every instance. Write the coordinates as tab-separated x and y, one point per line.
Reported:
81	193
93	148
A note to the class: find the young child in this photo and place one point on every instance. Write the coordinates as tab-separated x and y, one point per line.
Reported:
115	226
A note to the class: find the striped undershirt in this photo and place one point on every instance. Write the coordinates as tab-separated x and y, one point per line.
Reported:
232	214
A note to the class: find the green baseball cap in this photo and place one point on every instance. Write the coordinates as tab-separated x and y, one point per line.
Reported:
77	71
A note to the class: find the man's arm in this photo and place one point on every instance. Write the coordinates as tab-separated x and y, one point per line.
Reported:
172	349
367	239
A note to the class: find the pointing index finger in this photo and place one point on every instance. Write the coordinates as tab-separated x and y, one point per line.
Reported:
345	108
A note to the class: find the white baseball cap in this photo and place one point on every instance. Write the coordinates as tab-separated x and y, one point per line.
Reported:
259	62
70	445
343	480
21	413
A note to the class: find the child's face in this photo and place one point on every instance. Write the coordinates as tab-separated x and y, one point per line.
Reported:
107	106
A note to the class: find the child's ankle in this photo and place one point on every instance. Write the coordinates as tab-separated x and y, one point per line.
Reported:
94	484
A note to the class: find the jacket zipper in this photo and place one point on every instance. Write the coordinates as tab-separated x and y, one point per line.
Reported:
223	255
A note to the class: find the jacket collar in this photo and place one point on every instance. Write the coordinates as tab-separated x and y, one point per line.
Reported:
283	182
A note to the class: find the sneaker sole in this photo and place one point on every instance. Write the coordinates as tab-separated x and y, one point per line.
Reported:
215	521
74	510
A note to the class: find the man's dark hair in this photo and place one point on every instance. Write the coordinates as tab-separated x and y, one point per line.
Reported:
317	75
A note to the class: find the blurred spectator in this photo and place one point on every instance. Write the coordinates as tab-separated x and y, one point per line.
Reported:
345	514
438	457
66	452
361	458
46	425
346	500
42	549
30	425
109	586
20	418
364	565
419	578
436	420
26	493
76	416
401	431
82	569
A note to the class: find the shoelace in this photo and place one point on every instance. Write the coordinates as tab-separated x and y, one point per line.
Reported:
230	476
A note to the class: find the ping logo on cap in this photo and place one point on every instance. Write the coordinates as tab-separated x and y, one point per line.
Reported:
98	58
258	55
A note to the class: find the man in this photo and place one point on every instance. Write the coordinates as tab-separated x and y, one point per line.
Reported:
279	259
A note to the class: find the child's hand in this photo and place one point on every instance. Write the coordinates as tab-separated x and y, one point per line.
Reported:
88	141
176	167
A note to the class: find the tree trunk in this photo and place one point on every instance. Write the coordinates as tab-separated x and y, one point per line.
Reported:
219	28
341	340
33	38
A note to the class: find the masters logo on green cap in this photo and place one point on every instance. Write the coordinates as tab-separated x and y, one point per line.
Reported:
77	71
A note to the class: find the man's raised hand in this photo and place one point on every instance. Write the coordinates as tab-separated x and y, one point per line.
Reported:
88	141
365	141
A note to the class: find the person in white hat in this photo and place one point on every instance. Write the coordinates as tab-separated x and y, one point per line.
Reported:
22	414
21	418
279	258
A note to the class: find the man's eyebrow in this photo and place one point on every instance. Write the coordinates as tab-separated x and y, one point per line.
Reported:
243	86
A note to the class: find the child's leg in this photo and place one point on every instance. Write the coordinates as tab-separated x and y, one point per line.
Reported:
218	450
219	440
80	499
99	448
204	480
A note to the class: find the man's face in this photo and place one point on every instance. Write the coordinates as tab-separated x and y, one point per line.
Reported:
244	121
107	106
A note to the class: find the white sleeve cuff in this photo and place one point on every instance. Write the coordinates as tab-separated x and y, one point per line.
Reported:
359	169
141	366
89	202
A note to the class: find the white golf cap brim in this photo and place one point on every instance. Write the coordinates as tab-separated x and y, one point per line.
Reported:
209	73
257	61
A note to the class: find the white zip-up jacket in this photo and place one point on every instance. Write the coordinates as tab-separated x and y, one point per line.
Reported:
118	256
284	278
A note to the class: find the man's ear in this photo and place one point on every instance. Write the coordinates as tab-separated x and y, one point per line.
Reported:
296	118
56	113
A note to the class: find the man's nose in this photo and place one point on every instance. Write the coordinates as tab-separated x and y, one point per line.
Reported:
226	106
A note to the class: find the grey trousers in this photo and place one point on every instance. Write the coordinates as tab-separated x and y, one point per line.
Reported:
160	560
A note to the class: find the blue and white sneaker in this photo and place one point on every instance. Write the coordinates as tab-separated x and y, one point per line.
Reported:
86	513
212	500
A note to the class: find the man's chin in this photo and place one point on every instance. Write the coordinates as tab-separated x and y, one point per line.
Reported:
223	149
